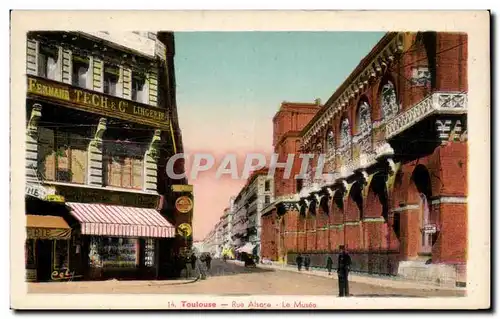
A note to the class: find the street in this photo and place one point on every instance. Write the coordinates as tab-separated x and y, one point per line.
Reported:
232	279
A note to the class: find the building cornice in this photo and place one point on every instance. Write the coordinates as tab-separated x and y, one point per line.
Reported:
371	67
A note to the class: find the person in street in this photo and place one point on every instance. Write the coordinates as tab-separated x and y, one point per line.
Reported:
298	260
192	260
329	265
208	261
201	268
344	266
307	262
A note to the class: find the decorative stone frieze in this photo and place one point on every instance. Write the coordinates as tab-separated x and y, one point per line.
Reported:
95	155
31	155
375	69
437	103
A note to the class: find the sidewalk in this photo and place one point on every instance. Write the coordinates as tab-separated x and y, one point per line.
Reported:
390	282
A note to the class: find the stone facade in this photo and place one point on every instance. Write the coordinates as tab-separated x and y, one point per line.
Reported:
391	175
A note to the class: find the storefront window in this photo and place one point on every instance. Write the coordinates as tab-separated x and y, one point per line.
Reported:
30	253
149	253
60	255
113	252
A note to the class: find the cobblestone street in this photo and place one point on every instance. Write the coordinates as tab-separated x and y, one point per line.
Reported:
233	279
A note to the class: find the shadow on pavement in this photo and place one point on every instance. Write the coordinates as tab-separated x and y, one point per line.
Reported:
220	268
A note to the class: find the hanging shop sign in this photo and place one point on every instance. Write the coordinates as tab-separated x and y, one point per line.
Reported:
105	196
184	204
55	198
182	188
37	191
91	101
184	230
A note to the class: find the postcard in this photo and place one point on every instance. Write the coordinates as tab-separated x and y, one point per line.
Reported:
249	160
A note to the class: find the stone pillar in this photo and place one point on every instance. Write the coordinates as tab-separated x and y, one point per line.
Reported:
32	143
150	163
95	162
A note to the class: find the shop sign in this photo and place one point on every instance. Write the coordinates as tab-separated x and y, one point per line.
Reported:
98	103
55	198
184	204
184	230
63	274
48	233
182	188
37	191
104	196
430	229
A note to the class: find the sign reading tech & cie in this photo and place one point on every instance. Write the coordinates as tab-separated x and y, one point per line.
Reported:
97	103
106	196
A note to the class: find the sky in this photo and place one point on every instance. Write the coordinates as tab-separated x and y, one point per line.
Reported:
231	84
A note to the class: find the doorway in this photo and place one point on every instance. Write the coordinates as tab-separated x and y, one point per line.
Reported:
43	259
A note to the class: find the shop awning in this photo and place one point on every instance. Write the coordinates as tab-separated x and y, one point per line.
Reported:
247	248
47	227
111	220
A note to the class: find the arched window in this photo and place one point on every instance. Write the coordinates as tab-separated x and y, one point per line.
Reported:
389	101
345	132
330	142
364	119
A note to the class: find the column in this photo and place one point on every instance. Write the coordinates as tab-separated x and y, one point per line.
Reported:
32	143
150	163
95	162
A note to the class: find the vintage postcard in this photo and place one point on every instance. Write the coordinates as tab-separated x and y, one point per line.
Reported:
250	160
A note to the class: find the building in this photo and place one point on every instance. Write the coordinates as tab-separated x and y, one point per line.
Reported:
395	138
288	124
246	228
101	125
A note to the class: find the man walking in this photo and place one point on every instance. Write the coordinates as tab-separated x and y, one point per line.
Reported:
344	265
307	262
329	265
298	260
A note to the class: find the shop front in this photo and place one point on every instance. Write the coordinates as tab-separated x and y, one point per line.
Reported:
120	241
47	248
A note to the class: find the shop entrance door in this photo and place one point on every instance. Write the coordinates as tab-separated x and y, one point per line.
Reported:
43	259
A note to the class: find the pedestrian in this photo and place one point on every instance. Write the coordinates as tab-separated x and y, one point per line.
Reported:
344	266
192	260
200	265
208	261
329	265
298	260
307	262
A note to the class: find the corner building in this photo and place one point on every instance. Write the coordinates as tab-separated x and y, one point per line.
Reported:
395	138
99	131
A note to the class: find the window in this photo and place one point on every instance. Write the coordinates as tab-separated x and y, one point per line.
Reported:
364	119
389	101
48	62
345	132
113	252
330	142
139	88
267	186
149	252
298	184
111	75
124	165
62	156
267	199
80	72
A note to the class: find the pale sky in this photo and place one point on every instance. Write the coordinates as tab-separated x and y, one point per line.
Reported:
230	85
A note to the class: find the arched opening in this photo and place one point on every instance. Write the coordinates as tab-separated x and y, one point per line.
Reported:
356	195
422	180
324	204
389	105
363	117
329	143
379	188
345	132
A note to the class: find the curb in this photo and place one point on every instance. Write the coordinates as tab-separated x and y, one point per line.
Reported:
366	279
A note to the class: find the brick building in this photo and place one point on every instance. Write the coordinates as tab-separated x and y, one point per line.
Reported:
395	139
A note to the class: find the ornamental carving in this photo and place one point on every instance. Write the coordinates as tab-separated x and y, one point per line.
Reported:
452	101
364	119
389	101
345	133
330	143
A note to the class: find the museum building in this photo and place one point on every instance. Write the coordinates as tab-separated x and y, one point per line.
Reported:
98	133
393	187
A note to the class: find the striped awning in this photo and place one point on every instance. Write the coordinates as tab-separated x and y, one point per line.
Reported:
123	221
